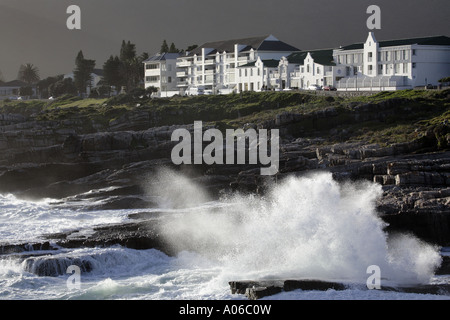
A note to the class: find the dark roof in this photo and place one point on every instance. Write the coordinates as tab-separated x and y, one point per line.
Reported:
323	57
267	63
98	72
424	41
262	43
14	83
163	56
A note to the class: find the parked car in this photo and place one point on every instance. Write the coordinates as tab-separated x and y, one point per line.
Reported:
329	88
195	91
314	87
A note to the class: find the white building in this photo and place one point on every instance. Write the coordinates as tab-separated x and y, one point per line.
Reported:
302	69
214	65
161	73
257	75
394	64
11	89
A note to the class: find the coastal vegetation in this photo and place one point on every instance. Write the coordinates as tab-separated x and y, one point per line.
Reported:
383	118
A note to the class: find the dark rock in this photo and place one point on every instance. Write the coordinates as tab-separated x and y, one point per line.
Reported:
290	285
256	293
48	266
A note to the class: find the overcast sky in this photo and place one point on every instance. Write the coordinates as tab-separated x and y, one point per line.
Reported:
34	31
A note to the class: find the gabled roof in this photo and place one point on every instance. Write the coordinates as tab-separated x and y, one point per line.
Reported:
267	63
424	41
262	43
323	57
163	56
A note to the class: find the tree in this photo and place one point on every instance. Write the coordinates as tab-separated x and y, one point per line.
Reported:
28	73
112	75
61	87
132	68
44	84
26	91
127	51
164	47
82	72
173	49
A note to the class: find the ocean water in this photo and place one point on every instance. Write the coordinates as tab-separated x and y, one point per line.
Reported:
305	228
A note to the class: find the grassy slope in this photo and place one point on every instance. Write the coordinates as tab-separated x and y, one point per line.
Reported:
424	110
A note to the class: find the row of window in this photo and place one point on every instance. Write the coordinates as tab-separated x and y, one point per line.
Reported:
389	55
244	72
153	66
395	68
156	79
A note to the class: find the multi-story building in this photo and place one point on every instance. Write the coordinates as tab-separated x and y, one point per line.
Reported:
214	66
260	63
161	73
394	64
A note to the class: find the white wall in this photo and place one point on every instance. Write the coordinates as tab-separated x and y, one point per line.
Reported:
432	63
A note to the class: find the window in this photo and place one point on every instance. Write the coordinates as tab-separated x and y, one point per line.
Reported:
169	67
349	58
405	68
369	56
369	69
152	66
245	72
251	72
414	52
413	65
307	68
380	69
318	70
397	68
169	79
152	79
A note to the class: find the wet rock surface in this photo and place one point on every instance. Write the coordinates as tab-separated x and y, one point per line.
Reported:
114	166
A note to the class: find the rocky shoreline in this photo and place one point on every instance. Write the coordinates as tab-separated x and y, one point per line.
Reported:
60	160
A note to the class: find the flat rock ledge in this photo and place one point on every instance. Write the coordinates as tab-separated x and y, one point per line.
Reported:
255	290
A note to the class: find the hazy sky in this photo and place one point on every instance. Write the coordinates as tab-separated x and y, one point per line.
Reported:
34	31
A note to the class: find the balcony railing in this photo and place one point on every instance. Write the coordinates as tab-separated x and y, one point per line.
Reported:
181	74
184	64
